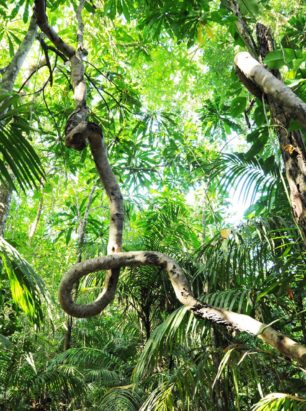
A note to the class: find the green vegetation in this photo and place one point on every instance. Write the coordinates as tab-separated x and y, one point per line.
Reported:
212	171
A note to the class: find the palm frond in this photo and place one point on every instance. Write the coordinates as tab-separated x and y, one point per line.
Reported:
248	176
251	256
18	159
280	402
163	333
160	399
120	399
234	300
27	288
55	379
102	376
86	358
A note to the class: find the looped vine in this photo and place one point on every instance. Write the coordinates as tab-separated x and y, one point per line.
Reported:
79	132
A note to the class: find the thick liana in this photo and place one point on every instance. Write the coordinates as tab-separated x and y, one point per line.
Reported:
79	131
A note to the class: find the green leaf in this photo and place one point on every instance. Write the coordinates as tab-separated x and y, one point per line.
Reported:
238	106
11	46
27	288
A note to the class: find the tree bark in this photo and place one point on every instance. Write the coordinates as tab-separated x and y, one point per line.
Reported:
42	21
284	105
275	89
291	143
34	225
79	131
242	27
5	199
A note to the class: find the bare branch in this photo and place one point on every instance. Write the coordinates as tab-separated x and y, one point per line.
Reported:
35	70
42	21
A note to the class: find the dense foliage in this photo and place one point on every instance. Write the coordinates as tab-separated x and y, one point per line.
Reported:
201	171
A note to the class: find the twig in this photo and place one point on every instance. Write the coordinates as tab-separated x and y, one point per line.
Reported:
98	90
30	76
45	50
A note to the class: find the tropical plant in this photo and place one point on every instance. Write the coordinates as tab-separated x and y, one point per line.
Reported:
183	133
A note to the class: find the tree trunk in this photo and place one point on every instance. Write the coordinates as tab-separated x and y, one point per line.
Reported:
284	105
34	225
291	142
5	197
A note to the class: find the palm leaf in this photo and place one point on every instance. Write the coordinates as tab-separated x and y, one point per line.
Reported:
18	159
160	399
251	256
87	358
162	335
120	399
27	288
280	402
249	176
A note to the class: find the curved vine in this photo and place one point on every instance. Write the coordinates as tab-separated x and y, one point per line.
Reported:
79	132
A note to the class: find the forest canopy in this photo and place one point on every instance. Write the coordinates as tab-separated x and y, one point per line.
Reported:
152	205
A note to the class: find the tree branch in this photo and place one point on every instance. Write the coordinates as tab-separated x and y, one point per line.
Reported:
242	28
42	21
78	132
180	285
271	86
35	70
